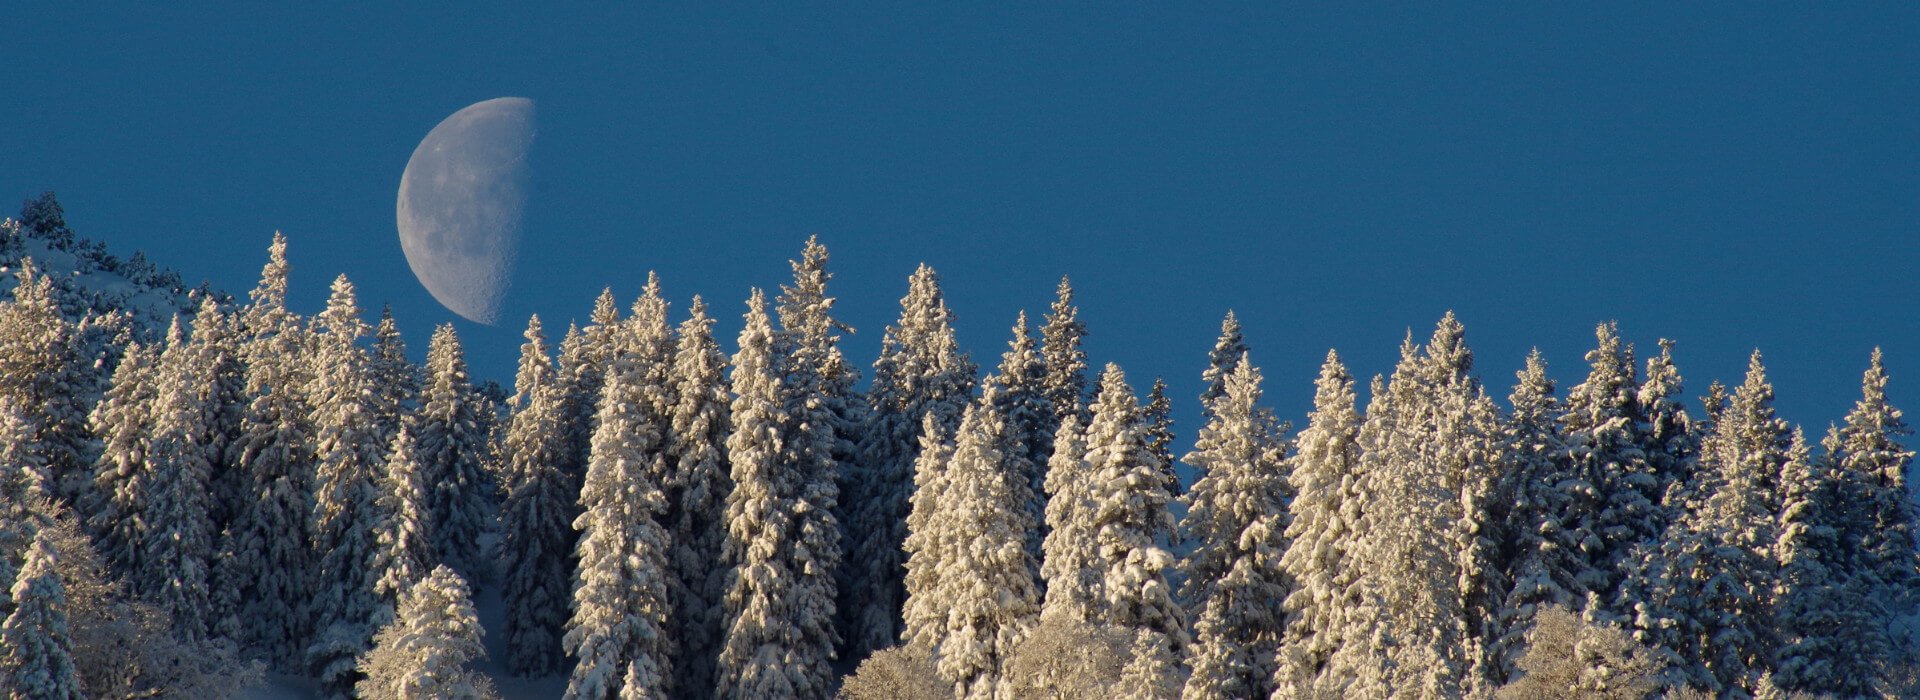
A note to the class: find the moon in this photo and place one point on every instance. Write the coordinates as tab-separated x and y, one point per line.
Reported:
462	198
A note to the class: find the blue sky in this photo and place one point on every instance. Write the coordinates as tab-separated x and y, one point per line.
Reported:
1732	176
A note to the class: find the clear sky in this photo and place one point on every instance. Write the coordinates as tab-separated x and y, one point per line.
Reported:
1730	176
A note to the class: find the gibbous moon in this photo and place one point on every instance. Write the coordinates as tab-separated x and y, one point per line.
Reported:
462	198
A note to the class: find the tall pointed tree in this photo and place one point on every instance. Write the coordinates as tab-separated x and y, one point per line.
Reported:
1157	419
1825	619
1066	362
40	368
215	354
427	651
1546	564
696	449
124	421
921	370
403	550
1129	508
175	530
1221	361
1618	506
1236	519
452	429
1666	432
1323	526
396	380
1071	567
537	512
1873	466
1018	393
36	645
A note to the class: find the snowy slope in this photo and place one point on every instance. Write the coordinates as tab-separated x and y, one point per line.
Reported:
87	278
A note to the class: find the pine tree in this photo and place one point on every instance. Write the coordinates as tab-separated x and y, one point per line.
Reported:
826	413
427	652
175	537
1615	505
1130	519
1018	393
1824	618
1236	518
1666	433
17	516
537	538
123	420
40	368
621	608
696	449
780	638
1546	566
974	543
1323	526
924	614
452	426
1152	673
396	380
263	574
921	370
1221	361
1157	418
1872	465
346	518
403	547
1066	362
1070	568
36	649
215	356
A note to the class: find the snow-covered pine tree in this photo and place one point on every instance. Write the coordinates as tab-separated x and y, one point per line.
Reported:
1071	567
827	413
1545	566
346	516
1701	596
1825	620
17	517
36	649
1323	521
1872	464
123	419
975	546
1615	503
215	354
1156	417
584	359
427	651
780	637
452	429
403	547
921	370
621	608
1018	392
924	614
263	576
40	368
696	451
396	380
1236	520
1129	510
1666	432
169	500
1221	361
1153	672
537	538
1066	361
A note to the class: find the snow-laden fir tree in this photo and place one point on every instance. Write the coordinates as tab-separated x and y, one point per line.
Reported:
779	630
1566	656
452	429
124	421
346	517
1831	642
427	651
403	547
537	537
39	367
696	451
1665	431
921	370
263	580
1236	520
1616	495
168	499
1018	393
1700	596
1153	672
36	647
1156	417
827	413
1546	566
17	516
976	547
1872	464
1128	499
621	608
396	380
924	614
1071	568
214	352
1066	362
1221	360
1322	526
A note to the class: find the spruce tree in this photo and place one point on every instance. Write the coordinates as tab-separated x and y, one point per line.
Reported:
1221	361
39	367
924	614
427	651
403	547
1018	393
1666	432
1236	519
1322	529
620	601
346	489
1156	416
537	537
124	421
780	637
36	646
452	426
921	370
396	380
1071	567
215	354
1615	506
1825	620
175	533
1066	362
696	449
1546	566
1872	464
1130	518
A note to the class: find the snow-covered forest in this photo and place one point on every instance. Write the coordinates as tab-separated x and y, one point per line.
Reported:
200	492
